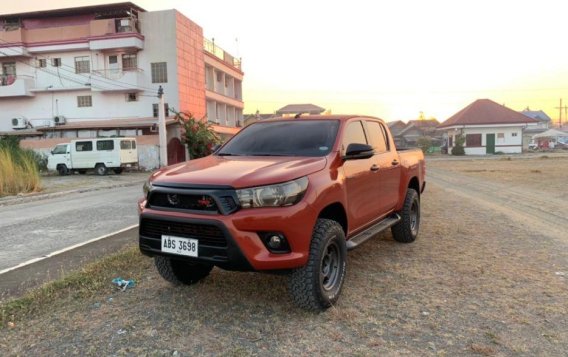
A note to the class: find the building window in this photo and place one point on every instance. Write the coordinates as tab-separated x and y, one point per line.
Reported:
472	140
84	101
513	134
103	145
500	138
42	63
159	72
84	146
131	97
82	64
129	61
155	110
56	62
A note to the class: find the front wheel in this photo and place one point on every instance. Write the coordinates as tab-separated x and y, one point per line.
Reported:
406	230
317	285
179	272
62	170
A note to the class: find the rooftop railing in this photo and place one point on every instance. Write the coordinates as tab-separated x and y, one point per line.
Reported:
211	47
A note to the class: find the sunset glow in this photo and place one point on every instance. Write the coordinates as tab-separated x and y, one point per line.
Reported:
388	59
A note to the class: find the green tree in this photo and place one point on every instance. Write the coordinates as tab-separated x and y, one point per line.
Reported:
458	149
197	134
424	143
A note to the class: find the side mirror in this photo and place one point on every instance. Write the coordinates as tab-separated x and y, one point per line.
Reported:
358	151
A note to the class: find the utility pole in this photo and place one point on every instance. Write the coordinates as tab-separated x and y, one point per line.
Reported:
162	129
560	112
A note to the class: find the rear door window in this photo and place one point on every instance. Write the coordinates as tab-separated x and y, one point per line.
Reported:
125	144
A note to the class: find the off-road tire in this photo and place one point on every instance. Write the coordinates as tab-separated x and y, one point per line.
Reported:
118	171
179	272
101	169
317	285
406	230
62	170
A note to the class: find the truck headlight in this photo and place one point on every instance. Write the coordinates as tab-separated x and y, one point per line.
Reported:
282	194
147	187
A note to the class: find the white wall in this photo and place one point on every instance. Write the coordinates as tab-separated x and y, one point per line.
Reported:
509	144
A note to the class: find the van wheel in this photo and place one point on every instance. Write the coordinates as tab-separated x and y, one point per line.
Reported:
62	170
101	169
316	286
406	230
179	272
117	171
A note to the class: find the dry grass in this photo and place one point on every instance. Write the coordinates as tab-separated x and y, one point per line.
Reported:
18	172
463	288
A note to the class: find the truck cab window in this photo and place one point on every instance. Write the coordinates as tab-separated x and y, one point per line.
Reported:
354	133
377	136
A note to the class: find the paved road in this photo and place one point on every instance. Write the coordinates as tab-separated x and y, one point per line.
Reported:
32	230
534	209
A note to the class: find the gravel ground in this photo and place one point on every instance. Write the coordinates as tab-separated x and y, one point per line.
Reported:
482	279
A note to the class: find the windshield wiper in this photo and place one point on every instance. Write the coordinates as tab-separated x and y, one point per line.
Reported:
226	154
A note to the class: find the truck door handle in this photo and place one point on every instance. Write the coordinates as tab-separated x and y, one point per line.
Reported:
374	168
394	162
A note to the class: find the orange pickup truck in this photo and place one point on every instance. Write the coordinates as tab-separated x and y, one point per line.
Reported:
283	195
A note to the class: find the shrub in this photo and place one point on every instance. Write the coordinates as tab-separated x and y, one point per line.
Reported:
19	171
198	135
424	143
458	149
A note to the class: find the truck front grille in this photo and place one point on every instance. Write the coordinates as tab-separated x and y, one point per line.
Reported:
206	234
183	201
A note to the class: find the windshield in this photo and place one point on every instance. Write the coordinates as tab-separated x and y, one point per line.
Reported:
60	149
284	138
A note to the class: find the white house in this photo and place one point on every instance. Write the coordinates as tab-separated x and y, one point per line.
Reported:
488	128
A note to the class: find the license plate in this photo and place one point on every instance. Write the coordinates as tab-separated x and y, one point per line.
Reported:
180	246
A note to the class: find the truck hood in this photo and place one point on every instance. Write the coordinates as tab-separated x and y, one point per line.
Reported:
239	171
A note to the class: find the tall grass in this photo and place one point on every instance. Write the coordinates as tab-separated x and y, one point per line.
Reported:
19	172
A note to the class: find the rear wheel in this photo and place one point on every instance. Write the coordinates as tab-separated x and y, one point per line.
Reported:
406	230
317	285
179	272
101	169
62	170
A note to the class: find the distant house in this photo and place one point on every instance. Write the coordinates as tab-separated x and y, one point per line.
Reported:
294	109
252	118
488	128
418	128
395	128
544	122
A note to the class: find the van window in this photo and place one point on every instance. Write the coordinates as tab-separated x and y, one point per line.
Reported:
103	145
134	144
60	149
125	144
84	146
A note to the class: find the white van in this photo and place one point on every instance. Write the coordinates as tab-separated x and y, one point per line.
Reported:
100	154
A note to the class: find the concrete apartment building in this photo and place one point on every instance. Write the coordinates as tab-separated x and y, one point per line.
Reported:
95	71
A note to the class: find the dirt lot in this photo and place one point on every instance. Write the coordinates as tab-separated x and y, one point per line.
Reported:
487	276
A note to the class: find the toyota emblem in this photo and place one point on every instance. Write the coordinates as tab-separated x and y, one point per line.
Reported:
173	199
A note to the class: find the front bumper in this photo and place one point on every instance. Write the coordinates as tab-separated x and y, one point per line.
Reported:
232	241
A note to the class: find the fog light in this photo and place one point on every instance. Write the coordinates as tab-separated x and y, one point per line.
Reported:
275	242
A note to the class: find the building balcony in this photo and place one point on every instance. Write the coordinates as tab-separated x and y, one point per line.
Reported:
209	46
117	80
16	86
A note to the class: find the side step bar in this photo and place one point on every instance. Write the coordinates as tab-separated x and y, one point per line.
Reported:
372	231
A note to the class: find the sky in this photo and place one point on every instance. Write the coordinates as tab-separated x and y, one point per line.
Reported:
391	59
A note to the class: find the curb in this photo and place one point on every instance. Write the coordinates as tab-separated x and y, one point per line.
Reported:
43	196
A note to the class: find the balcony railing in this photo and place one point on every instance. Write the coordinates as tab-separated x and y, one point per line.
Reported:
12	85
223	55
117	79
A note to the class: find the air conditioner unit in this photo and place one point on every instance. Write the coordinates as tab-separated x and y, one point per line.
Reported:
59	120
19	123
